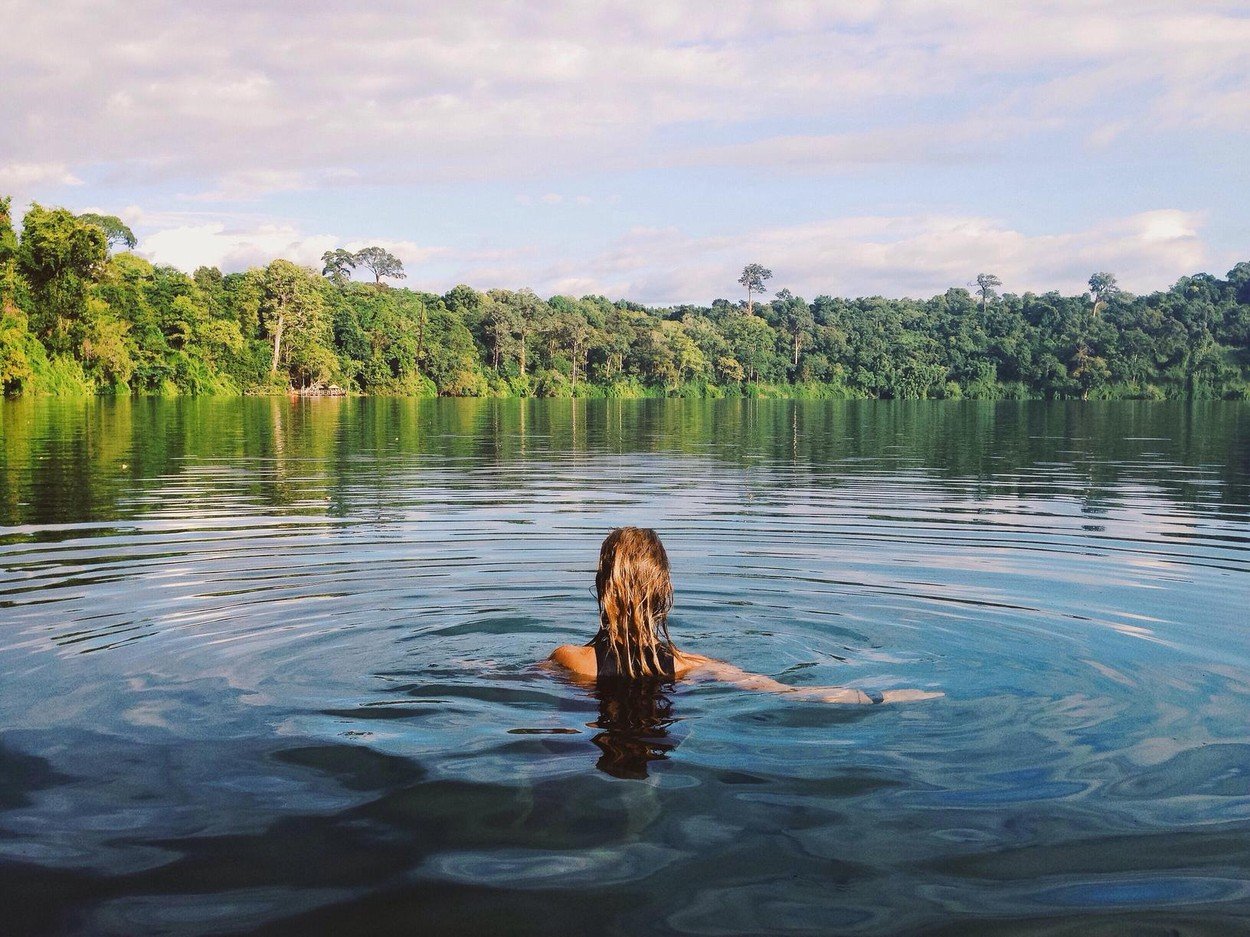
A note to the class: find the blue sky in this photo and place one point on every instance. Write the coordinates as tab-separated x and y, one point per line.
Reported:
649	151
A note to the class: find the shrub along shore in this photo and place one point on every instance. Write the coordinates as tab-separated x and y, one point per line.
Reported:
80	314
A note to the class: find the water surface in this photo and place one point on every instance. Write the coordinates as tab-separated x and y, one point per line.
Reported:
269	666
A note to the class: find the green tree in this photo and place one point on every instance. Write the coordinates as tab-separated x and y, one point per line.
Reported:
105	349
532	317
1088	370
500	322
987	284
59	256
8	247
752	342
116	231
573	332
380	262
451	358
753	277
464	301
211	284
293	314
1238	282
1102	287
74	319
20	351
797	322
337	266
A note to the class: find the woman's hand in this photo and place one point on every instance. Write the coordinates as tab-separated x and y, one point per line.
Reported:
909	696
829	694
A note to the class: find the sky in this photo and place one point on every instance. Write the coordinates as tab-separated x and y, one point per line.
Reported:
648	150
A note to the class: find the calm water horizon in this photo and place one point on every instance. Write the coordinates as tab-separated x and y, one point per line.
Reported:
270	667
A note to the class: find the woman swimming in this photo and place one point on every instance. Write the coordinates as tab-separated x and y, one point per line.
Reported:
635	592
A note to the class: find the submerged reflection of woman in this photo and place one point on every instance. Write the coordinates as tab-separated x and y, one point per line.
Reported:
635	592
633	723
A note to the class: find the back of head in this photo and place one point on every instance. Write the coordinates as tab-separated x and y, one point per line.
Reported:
635	594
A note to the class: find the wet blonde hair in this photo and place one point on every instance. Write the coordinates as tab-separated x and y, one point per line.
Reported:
635	594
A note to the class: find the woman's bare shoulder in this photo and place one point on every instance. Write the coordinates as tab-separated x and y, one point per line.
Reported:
576	658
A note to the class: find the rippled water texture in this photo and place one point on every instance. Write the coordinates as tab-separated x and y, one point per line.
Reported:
270	666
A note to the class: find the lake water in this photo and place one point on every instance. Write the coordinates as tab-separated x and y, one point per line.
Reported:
269	666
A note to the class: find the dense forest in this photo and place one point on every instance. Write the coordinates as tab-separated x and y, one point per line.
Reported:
80	313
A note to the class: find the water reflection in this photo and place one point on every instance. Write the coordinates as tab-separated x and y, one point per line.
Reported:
81	460
634	717
233	632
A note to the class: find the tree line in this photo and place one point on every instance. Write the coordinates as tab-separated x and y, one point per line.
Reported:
80	313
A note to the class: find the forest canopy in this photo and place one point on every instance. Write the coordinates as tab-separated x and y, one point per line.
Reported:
81	314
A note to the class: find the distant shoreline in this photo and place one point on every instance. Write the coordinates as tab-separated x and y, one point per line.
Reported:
78	317
712	394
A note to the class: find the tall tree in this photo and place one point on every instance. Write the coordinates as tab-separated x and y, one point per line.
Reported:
116	231
294	315
987	283
1102	287
338	265
462	299
8	247
753	343
499	323
59	255
380	262
17	345
753	277
573	331
1238	278
420	332
795	317
532	314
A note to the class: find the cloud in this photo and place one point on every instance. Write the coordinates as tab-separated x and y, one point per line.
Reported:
966	141
23	176
219	109
918	256
216	245
247	99
234	247
250	185
895	256
558	198
907	255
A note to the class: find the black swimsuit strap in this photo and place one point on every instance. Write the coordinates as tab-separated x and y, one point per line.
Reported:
605	660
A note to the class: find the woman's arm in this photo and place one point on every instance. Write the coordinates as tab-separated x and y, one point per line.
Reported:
720	670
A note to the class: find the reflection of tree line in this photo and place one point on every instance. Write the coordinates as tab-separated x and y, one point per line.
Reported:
73	460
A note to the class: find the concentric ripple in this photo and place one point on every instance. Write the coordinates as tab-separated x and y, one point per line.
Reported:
272	665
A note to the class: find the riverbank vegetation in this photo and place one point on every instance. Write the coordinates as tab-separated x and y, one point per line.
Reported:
81	314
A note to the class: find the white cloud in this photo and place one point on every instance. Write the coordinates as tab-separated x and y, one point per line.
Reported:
245	99
967	140
234	247
22	176
216	245
233	102
555	198
918	256
249	184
